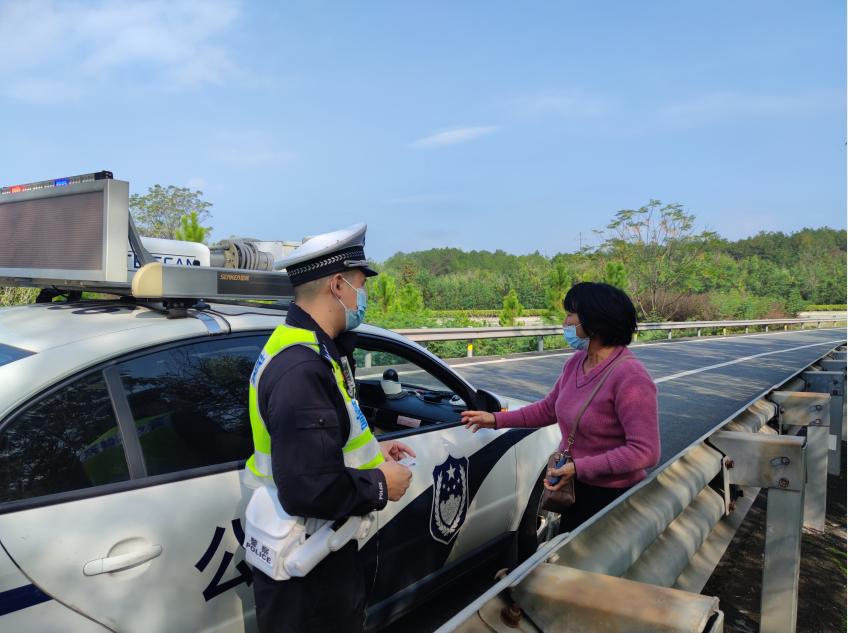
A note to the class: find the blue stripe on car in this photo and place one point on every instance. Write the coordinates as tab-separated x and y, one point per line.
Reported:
21	598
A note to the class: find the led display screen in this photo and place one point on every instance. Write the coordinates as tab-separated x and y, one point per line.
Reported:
74	232
61	232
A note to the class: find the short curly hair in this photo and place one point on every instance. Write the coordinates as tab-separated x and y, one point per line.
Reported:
605	311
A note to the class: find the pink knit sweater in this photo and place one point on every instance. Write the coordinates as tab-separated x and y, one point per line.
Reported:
618	436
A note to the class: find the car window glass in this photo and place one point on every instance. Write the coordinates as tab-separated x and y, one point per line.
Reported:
189	403
372	364
417	399
66	441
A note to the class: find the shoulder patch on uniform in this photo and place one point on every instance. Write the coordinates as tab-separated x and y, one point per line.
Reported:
256	367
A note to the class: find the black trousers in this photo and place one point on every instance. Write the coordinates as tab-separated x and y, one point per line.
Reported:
330	598
589	500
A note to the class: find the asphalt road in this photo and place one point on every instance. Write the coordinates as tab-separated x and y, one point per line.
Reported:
701	383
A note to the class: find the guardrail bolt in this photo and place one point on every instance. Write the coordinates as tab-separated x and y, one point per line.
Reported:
511	615
729	463
783	482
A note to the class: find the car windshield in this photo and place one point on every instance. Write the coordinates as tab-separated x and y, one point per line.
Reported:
9	354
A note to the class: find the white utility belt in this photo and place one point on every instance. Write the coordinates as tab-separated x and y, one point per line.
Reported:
282	546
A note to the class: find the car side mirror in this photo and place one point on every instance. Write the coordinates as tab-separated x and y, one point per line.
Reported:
487	401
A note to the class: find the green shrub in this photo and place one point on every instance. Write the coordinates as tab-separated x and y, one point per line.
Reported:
831	307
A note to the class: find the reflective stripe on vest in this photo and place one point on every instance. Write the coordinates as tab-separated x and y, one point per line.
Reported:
361	449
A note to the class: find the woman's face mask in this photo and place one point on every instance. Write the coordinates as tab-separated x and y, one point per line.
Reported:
569	333
354	317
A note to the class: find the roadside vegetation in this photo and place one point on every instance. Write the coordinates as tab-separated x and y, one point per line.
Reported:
672	271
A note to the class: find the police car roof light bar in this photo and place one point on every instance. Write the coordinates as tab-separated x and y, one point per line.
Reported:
57	182
156	280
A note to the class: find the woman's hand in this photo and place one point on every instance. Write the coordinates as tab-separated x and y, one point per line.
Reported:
395	451
476	420
565	474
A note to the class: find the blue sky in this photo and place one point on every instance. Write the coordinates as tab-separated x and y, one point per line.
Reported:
479	125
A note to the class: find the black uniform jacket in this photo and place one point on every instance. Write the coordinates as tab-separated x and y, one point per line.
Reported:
308	422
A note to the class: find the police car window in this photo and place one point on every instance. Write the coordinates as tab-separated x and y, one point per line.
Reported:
66	441
189	403
9	354
398	394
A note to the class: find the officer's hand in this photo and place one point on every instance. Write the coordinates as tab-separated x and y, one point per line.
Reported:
397	479
475	420
395	451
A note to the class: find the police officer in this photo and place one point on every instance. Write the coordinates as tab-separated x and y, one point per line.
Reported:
312	441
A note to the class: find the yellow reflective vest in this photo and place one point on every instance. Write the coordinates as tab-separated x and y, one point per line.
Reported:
361	449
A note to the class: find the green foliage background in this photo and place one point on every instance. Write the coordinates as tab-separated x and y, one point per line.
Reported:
654	253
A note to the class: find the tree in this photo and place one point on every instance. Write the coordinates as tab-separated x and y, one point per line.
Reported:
657	244
190	229
615	275
383	292
159	212
512	309
556	286
410	300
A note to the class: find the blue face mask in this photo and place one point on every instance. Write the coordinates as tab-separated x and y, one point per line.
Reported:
354	317
569	333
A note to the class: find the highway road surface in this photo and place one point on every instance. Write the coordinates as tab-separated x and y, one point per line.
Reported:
701	383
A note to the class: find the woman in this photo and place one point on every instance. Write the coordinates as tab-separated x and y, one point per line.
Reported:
617	438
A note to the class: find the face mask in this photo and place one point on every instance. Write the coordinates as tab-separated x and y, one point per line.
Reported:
354	317
569	333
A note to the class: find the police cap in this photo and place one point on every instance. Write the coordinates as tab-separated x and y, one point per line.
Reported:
327	254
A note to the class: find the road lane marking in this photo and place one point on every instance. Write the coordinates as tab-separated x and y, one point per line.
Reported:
736	361
713	339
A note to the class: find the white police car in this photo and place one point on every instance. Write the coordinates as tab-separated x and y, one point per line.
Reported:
123	434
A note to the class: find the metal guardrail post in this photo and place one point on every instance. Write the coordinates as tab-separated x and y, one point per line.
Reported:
776	463
812	411
832	382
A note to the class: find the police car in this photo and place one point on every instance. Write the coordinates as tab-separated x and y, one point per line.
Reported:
124	432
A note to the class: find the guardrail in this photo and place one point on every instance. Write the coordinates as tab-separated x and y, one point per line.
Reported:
470	334
639	565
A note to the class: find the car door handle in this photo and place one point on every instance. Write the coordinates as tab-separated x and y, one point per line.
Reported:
123	561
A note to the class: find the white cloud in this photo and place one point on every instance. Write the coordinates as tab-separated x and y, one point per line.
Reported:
561	104
729	104
54	51
248	148
196	183
454	136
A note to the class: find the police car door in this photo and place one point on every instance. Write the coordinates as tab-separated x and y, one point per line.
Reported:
462	492
137	551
